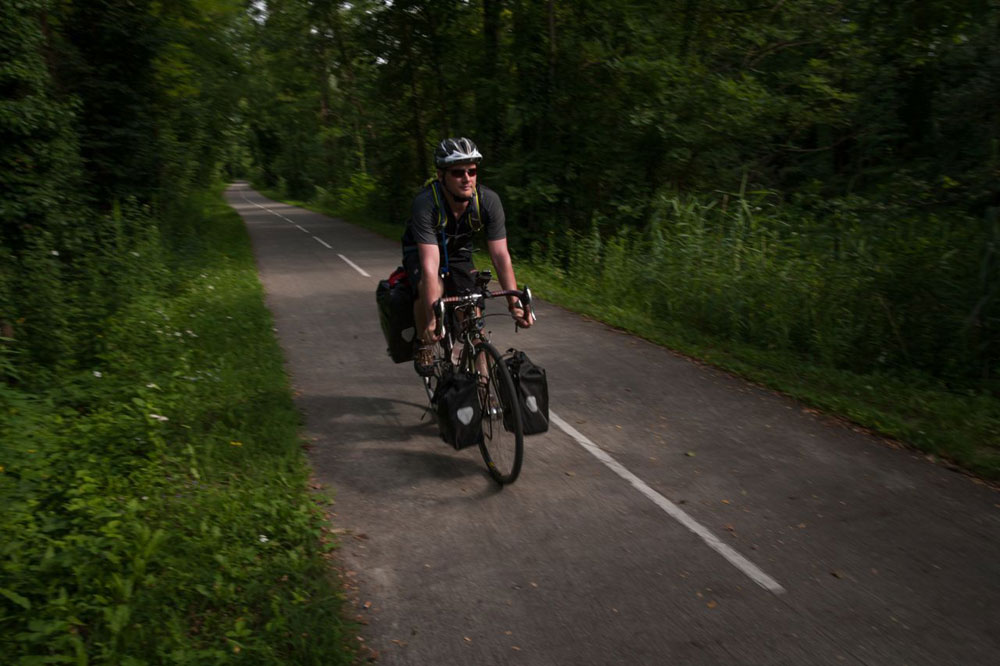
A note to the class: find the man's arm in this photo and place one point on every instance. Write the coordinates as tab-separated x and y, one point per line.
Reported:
431	288
500	255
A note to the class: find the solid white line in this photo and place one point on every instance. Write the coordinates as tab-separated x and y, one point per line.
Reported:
674	511
353	265
322	241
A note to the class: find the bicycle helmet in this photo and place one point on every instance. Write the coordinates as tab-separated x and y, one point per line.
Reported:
455	150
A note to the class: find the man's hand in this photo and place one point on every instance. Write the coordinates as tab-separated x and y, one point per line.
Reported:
520	317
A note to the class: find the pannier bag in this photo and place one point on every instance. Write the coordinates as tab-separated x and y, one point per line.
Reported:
532	393
458	411
395	314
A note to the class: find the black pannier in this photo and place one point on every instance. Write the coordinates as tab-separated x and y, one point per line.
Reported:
458	412
532	393
395	314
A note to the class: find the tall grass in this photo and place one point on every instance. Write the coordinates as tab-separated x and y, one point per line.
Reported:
836	306
853	292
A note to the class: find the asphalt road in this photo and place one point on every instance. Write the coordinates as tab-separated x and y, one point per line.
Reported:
675	515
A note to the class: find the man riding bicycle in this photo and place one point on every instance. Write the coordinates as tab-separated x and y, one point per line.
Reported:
437	244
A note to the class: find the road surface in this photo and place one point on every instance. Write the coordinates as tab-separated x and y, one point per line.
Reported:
673	514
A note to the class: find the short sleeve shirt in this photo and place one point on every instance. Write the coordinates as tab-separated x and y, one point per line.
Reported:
422	226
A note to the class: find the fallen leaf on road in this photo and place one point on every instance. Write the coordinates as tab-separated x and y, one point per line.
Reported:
711	604
467	639
801	525
836	574
725	501
367	605
690	454
514	647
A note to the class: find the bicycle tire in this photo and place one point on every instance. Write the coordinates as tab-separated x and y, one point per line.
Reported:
502	447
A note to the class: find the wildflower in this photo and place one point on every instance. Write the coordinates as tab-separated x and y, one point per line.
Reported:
158	417
2	468
135	254
211	286
177	334
97	373
55	253
152	385
235	443
191	333
263	539
145	497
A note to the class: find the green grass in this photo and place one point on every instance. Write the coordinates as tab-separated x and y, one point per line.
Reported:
155	506
960	427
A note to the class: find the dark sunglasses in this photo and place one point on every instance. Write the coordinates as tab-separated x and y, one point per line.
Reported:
457	173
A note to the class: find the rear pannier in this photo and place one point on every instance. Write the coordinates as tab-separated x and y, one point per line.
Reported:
395	314
532	393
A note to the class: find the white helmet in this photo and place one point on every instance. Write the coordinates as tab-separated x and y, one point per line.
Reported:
454	151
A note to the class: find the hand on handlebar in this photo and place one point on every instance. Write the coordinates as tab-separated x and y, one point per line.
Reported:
522	316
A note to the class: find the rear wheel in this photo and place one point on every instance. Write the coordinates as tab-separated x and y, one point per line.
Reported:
502	445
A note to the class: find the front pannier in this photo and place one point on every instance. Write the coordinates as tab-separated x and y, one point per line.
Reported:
459	414
395	314
532	393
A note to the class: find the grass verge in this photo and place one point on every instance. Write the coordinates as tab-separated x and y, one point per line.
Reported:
961	429
156	507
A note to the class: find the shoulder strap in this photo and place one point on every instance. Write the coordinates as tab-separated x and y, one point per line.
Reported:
439	203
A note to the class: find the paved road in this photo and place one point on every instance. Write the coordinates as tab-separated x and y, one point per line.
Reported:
678	516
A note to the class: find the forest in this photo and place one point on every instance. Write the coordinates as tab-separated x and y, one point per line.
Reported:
817	181
813	176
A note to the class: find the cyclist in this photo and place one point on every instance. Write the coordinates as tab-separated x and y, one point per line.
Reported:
437	244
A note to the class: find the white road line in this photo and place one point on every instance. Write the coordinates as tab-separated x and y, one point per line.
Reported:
353	265
743	564
300	228
348	261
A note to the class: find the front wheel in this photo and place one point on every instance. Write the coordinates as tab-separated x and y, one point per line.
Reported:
502	444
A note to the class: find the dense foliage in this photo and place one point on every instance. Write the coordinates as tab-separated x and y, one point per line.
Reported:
153	492
860	139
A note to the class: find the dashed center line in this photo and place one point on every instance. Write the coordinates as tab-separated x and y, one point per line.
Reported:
320	240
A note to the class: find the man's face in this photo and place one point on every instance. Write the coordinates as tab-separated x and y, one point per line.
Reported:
460	180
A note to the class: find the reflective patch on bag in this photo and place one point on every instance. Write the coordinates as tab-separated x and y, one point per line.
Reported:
465	415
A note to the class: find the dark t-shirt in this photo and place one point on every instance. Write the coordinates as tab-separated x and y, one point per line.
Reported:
422	226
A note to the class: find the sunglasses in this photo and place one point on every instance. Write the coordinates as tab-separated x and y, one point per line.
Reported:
458	173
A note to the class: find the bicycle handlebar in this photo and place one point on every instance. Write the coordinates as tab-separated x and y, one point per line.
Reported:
523	297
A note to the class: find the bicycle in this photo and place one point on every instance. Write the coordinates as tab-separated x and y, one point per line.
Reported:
465	348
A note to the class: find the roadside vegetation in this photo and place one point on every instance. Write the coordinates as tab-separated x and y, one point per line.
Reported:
156	505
